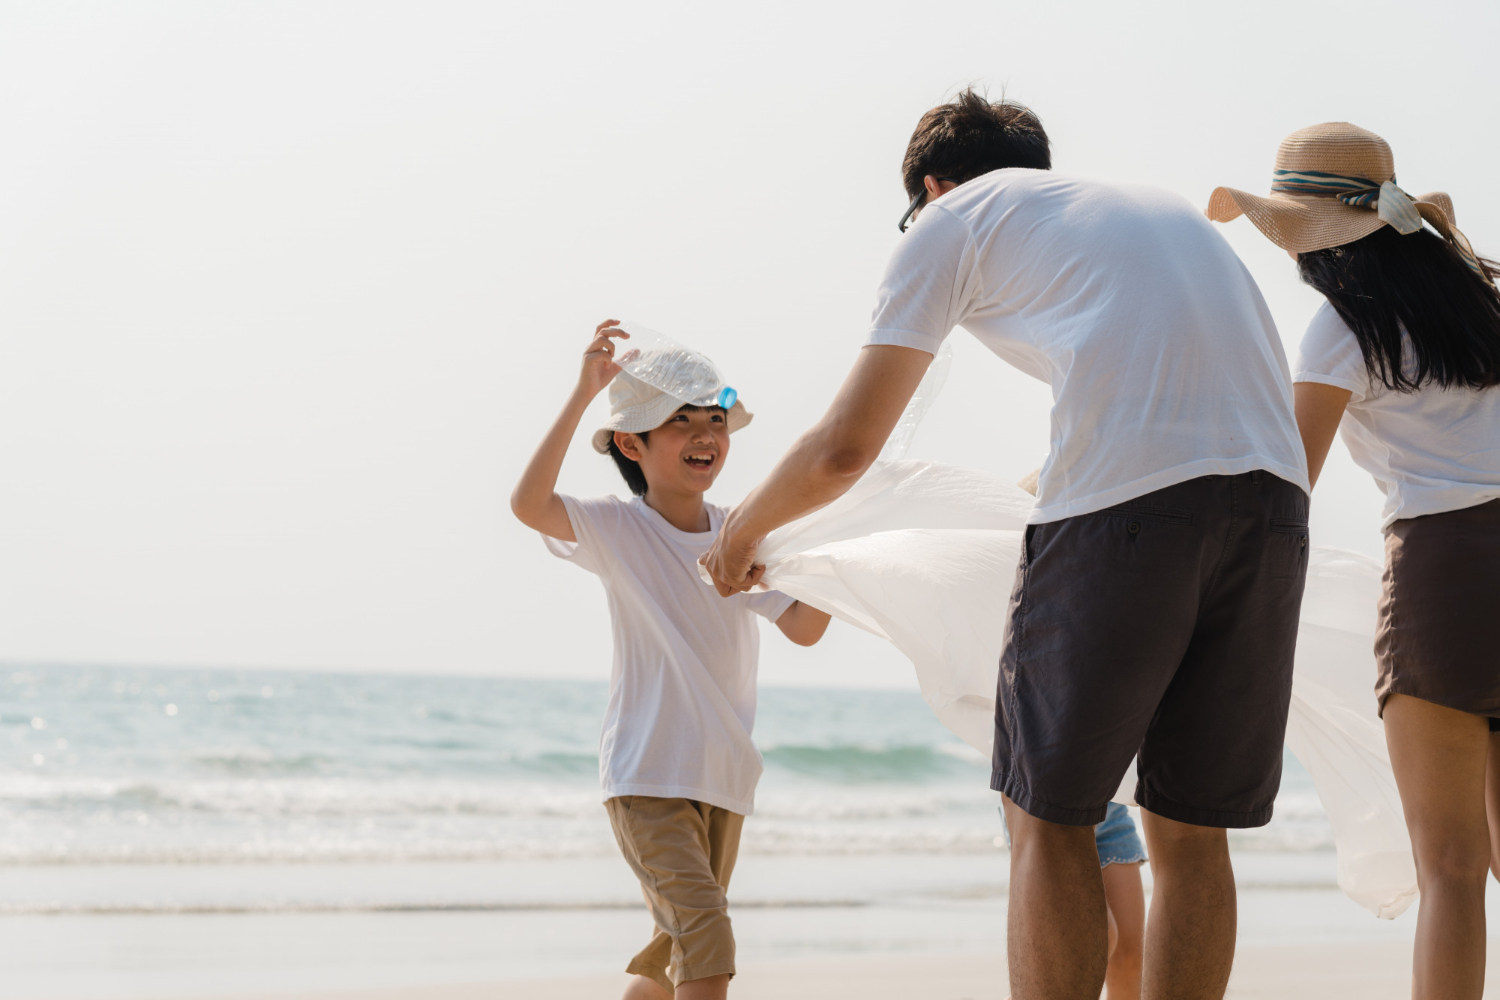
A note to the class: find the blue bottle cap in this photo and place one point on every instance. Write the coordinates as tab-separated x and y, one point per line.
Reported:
727	396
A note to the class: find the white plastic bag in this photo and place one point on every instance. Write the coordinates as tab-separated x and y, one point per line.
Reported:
925	555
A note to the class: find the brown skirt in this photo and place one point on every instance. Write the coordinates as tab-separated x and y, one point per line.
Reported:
1439	633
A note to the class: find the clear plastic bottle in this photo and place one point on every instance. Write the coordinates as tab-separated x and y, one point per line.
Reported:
678	371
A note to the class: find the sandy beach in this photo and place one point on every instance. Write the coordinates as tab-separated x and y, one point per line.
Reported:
1326	972
1295	942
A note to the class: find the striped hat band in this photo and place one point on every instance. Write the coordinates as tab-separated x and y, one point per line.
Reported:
1333	184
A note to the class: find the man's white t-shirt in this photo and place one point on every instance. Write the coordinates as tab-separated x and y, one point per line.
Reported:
1431	450
682	690
1163	359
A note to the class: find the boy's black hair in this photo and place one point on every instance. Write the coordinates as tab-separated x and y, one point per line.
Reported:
970	136
630	468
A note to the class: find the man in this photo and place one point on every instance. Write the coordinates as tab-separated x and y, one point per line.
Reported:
1155	609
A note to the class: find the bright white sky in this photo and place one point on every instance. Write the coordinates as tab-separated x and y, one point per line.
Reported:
288	291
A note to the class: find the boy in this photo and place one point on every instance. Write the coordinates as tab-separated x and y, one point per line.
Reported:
676	760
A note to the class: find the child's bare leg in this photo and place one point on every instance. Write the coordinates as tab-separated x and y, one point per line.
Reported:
709	988
1492	801
1127	910
645	988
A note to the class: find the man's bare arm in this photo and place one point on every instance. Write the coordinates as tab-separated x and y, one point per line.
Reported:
824	462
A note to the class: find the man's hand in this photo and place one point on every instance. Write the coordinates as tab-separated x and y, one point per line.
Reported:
824	462
731	561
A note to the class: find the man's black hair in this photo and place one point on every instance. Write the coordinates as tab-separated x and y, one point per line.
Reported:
970	136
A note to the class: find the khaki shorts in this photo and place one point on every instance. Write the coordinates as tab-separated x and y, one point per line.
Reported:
683	852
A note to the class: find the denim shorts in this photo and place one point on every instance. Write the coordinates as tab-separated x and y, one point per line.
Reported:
1115	839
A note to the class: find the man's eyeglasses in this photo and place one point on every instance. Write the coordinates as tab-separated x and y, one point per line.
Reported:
916	203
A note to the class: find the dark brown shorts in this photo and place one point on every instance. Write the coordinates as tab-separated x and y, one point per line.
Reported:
1163	627
1439	632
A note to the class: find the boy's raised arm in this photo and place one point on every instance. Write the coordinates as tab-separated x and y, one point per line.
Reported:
534	501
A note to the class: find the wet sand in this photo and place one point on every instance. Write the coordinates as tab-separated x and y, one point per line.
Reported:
1325	972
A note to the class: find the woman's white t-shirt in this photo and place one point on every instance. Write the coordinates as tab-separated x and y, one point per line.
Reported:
1163	359
682	690
1431	450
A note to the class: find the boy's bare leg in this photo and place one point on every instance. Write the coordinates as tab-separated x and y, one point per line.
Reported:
711	988
645	988
1440	757
1057	929
1127	910
1189	945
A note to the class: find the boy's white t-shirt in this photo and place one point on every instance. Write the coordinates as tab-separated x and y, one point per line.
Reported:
1163	359
1431	450
682	690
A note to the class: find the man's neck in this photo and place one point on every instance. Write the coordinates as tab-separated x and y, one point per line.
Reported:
683	511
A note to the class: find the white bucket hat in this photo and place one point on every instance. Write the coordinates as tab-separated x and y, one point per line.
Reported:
635	406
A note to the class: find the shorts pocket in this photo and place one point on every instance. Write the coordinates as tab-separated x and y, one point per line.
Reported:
1147	512
1293	527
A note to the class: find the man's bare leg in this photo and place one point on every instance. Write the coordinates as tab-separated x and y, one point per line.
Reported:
1440	756
1189	946
1127	909
1057	930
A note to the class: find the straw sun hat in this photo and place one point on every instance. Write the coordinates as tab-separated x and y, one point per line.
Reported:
1333	184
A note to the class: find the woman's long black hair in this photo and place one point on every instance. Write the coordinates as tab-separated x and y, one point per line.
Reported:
1386	283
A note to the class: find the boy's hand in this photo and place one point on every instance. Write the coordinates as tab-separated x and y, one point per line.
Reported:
599	367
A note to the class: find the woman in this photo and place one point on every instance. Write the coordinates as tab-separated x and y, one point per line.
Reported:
1405	355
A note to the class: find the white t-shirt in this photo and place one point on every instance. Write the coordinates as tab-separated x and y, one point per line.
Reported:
682	691
1163	359
1431	450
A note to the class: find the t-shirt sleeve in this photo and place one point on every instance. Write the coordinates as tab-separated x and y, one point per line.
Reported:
770	604
593	519
1329	354
929	283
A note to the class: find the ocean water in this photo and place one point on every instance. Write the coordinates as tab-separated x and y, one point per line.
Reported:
125	766
197	832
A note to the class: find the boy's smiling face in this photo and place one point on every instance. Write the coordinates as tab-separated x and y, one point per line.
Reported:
683	455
